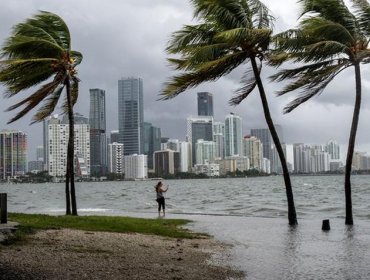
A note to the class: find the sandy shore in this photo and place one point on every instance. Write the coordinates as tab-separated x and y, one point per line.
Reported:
74	254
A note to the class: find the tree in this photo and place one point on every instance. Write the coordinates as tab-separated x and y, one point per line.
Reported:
329	39
38	54
230	33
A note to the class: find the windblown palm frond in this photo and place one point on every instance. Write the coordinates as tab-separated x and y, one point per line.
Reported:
37	50
249	84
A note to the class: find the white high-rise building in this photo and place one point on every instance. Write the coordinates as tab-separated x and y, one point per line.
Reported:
58	135
332	147
115	158
219	139
205	151
136	166
233	135
185	156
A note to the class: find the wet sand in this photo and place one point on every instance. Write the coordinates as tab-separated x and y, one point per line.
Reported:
74	254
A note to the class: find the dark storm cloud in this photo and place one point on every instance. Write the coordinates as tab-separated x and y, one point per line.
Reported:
127	38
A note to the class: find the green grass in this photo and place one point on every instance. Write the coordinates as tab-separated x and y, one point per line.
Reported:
163	227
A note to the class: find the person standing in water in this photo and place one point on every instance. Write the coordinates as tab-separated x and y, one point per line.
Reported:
160	189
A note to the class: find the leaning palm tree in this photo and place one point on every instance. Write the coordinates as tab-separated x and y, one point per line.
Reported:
329	39
38	54
230	33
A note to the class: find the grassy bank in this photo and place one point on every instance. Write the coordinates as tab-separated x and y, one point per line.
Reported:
30	223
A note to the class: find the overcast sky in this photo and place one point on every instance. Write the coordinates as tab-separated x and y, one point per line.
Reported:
127	38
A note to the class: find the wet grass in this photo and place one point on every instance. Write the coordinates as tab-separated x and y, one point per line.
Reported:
30	223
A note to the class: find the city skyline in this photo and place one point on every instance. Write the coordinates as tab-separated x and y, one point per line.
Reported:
326	117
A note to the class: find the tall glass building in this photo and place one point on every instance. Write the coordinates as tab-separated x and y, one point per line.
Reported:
131	115
98	145
205	104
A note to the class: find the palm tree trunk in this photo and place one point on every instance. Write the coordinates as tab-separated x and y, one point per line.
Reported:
351	147
70	156
292	216
68	194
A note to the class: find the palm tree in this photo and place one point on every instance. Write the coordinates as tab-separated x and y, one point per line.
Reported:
230	33
39	51
329	39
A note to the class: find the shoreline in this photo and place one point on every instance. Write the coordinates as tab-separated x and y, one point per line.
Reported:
80	254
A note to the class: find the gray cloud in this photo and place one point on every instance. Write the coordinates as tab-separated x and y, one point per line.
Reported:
127	38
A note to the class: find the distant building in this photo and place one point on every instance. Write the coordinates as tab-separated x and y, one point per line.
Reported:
333	148
205	104
40	153
115	158
166	162
58	135
253	149
199	128
35	166
13	154
233	135
136	166
98	137
152	141
210	169
185	157
204	151
114	136
131	115
219	139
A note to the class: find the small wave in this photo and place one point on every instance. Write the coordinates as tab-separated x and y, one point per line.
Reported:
95	210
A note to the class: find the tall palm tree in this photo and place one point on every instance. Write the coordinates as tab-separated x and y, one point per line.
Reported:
230	33
38	54
329	39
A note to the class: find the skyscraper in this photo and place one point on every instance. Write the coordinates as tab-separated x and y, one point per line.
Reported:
233	135
205	104
152	141
264	135
333	149
131	115
252	148
199	128
98	145
13	154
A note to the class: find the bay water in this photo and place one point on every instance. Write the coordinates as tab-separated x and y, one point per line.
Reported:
248	213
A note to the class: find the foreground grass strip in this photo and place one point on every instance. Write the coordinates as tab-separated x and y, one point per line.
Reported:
163	227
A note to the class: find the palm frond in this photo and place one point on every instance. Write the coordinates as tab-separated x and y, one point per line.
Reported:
74	95
34	99
54	26
200	34
362	8
209	71
249	83
227	13
333	10
49	105
23	47
21	75
311	80
241	36
262	19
